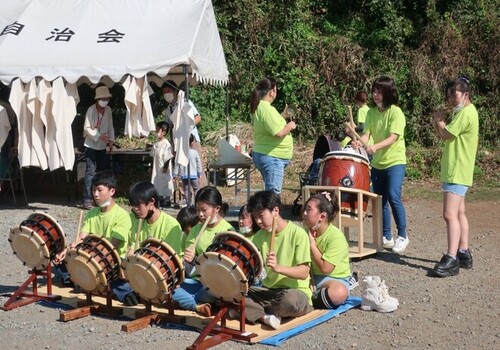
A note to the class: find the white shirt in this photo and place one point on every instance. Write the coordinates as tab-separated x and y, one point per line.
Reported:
97	124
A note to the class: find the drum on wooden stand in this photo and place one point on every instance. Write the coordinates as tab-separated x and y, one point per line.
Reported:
37	240
346	169
229	265
154	270
93	264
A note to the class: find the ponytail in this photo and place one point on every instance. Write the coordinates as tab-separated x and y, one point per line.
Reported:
260	91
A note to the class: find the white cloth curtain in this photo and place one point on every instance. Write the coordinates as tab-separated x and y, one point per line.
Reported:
139	121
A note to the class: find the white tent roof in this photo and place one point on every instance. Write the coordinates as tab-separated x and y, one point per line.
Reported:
96	38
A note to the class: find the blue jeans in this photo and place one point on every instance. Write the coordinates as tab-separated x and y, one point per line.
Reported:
388	183
272	170
96	160
190	293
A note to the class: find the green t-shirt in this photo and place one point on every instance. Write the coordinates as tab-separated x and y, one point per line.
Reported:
113	224
335	250
267	122
457	163
166	228
381	125
292	248
362	111
208	235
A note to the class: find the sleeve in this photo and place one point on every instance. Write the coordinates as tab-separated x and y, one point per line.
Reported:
334	251
192	235
94	134
397	122
458	125
199	170
272	121
111	129
368	121
122	227
302	248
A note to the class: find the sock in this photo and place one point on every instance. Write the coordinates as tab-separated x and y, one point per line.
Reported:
321	300
463	250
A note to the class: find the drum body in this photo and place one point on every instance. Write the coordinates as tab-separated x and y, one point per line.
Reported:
93	264
229	265
347	170
154	270
37	240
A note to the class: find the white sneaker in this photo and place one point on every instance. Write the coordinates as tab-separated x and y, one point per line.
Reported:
271	320
375	295
400	244
388	243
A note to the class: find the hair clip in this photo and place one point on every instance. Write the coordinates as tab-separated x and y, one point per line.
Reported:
464	79
327	195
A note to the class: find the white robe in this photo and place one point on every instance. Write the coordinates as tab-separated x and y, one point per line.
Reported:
183	119
17	99
161	153
4	126
139	120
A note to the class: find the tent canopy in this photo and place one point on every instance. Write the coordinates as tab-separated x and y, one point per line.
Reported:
89	39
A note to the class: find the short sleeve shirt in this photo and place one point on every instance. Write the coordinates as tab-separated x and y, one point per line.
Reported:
208	235
267	122
457	163
165	228
362	111
381	125
113	224
292	248
335	250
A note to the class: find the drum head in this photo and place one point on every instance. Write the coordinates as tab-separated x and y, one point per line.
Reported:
145	277
223	278
85	271
29	247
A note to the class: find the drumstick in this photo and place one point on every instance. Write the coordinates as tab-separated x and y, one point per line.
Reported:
273	235
79	227
137	234
193	246
355	134
349	109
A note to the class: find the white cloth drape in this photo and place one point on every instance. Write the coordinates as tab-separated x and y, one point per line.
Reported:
4	125
139	120
183	120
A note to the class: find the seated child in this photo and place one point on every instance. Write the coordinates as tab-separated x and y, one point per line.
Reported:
285	290
145	201
248	226
329	251
191	295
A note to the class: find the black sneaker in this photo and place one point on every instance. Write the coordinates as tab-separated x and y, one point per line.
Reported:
353	281
465	259
131	299
448	266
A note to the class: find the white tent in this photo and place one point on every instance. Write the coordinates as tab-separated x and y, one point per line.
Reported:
95	40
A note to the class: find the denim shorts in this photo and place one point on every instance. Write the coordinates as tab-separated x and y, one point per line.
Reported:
459	190
319	280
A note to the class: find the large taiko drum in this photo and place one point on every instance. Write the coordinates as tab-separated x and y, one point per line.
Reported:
154	270
93	264
229	265
37	240
346	169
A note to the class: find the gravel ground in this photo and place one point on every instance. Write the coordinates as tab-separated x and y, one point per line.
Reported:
460	312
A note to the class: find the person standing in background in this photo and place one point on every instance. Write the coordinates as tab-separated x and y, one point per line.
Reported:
273	142
385	123
99	135
161	171
460	138
361	101
170	92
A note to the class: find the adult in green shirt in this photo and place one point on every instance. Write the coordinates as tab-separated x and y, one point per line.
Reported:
457	168
272	139
385	124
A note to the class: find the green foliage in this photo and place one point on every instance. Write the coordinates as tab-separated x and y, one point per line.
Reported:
322	52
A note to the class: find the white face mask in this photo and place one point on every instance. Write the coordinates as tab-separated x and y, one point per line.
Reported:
214	220
316	226
245	230
380	105
106	204
169	97
460	105
103	103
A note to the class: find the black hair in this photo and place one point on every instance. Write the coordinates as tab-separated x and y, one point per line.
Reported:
264	200
260	91
163	126
462	84
243	212
188	216
191	139
327	203
142	193
170	84
387	86
105	178
211	196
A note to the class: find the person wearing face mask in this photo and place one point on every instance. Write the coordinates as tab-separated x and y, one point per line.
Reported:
170	91
329	251
144	200
99	135
385	124
248	226
460	136
273	143
110	221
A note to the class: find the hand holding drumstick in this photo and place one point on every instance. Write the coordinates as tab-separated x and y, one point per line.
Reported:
271	256
62	255
189	253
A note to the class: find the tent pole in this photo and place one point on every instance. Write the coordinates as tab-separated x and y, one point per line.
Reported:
188	195
227	115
